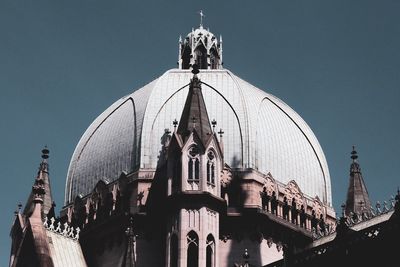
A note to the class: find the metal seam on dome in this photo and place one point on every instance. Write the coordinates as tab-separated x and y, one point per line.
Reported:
156	81
135	139
237	117
162	106
245	114
308	140
233	110
70	178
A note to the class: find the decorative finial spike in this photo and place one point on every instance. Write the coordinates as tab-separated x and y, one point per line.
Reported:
343	206
246	257
201	18
195	69
354	155
45	152
175	123
214	123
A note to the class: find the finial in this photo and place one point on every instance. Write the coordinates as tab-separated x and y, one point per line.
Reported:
246	256
18	209
195	69
129	229
175	123
214	123
397	198
343	206
354	155
201	18
45	152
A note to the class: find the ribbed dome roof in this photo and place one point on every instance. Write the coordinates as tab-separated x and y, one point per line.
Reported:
261	132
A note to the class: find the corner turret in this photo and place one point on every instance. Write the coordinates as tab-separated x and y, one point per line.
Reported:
41	190
357	195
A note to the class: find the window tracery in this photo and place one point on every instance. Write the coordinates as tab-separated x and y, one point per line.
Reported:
210	251
211	168
194	164
192	249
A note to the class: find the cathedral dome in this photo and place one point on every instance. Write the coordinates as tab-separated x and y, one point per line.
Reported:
261	132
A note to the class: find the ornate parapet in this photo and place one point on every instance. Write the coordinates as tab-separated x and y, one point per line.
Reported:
65	229
284	201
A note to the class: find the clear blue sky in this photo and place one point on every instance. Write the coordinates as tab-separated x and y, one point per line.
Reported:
337	63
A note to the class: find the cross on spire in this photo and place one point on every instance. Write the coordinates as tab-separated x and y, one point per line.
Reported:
220	133
201	17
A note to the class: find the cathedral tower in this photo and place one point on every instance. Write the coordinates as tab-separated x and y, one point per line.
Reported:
194	162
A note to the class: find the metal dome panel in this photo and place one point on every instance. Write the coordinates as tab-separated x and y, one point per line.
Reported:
261	132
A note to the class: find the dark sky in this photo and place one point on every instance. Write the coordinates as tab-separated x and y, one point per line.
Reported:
337	63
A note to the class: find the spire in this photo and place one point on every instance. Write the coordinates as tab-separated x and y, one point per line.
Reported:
357	195
41	192
194	115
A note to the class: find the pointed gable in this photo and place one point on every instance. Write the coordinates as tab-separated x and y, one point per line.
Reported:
194	116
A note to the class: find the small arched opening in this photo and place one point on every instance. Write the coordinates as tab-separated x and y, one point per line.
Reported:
192	249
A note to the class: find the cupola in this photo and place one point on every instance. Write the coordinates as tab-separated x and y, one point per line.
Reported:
200	47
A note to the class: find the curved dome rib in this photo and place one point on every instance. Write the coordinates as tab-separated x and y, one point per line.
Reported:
325	194
261	132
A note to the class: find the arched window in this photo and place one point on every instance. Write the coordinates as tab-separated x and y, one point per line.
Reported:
211	167
193	164
214	59
210	251
201	57
186	57
192	249
173	251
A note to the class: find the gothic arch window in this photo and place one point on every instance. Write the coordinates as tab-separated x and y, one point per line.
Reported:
173	251
211	164
210	251
214	59
194	164
192	249
201	57
186	58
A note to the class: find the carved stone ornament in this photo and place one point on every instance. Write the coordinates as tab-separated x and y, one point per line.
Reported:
279	246
226	237
270	242
269	184
318	207
226	177
292	190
